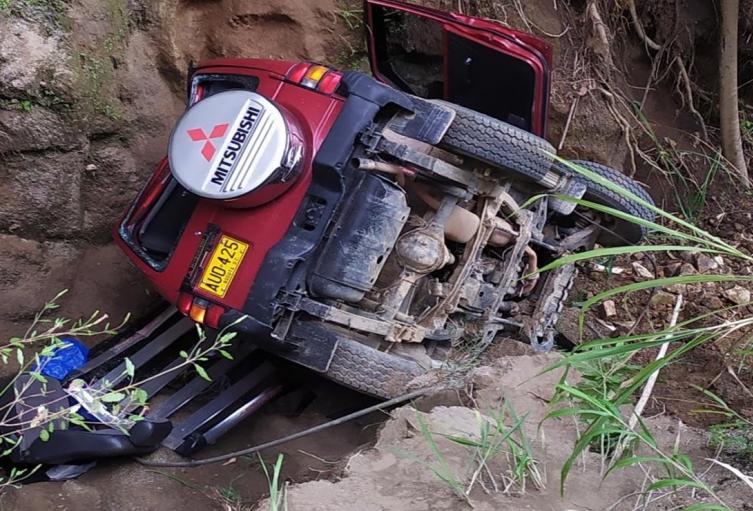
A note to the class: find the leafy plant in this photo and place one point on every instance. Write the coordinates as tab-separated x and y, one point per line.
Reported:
118	403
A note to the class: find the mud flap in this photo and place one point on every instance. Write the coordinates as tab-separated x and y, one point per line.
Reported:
314	345
429	123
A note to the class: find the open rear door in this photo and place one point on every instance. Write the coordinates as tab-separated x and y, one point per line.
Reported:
472	62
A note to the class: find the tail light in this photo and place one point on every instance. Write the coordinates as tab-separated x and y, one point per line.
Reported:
200	311
315	77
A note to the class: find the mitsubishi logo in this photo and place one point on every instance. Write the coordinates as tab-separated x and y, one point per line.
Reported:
198	135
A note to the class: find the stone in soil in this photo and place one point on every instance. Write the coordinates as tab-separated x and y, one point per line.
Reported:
672	268
704	263
738	295
610	309
663	298
641	271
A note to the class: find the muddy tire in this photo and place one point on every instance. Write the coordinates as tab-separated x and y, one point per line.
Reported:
618	232
497	143
370	371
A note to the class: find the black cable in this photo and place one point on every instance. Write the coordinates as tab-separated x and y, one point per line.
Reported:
289	438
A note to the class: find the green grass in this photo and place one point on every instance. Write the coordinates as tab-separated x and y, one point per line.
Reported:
277	492
501	435
499	456
608	380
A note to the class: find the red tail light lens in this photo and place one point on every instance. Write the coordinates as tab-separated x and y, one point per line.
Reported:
330	82
184	303
199	310
298	71
214	313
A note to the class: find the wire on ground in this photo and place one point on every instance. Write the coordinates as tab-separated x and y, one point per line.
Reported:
310	431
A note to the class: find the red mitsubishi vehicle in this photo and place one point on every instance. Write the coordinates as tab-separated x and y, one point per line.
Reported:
369	228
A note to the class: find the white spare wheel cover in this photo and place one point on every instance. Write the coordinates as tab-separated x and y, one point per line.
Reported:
231	144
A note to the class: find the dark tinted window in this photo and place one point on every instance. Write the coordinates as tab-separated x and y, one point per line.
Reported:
163	226
488	81
411	51
213	84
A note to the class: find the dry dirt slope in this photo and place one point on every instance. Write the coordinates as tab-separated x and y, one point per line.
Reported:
388	477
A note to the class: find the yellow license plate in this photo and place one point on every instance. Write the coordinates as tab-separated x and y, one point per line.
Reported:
225	260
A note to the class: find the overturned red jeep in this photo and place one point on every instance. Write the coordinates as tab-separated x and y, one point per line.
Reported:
367	228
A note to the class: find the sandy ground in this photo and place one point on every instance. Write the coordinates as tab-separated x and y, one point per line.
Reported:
395	474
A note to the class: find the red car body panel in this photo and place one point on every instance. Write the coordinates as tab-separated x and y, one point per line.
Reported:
261	227
264	226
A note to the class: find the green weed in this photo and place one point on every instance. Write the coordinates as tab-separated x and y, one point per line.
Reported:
499	442
497	439
439	465
690	195
610	381
352	17
277	494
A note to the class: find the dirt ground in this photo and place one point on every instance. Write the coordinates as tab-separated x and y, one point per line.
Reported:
395	474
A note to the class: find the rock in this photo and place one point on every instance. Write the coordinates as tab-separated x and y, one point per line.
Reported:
738	295
31	273
687	269
41	193
719	260
484	377
610	309
36	130
115	170
704	263
678	289
641	271
663	298
712	303
28	59
672	268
